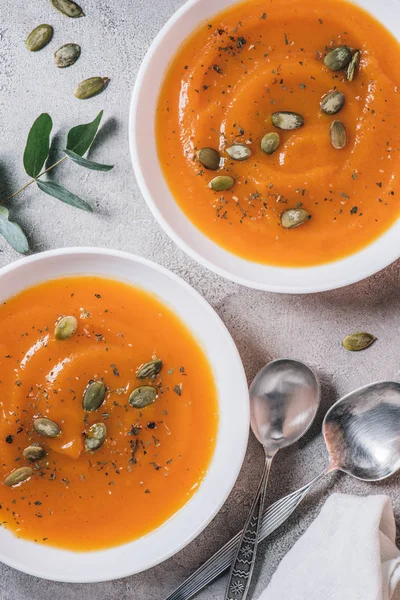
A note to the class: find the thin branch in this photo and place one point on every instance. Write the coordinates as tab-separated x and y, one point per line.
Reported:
33	180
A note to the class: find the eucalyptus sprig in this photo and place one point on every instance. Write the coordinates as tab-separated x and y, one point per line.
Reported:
37	149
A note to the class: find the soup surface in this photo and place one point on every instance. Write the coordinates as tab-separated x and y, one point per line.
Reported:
147	468
260	57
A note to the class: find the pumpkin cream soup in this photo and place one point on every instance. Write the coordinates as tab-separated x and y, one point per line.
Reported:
278	130
102	391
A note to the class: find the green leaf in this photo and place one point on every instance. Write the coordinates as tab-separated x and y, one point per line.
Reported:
89	164
59	192
80	138
12	232
38	145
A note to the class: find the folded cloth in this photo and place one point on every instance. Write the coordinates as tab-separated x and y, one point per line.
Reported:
348	553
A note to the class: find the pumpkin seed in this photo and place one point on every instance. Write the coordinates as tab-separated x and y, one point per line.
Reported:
149	370
18	476
39	37
338	135
209	158
239	152
68	8
65	328
95	436
46	427
293	217
67	55
91	87
34	452
358	341
143	396
270	142
287	120
94	396
332	103
338	59
222	183
353	66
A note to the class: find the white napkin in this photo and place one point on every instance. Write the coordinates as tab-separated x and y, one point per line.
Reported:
348	553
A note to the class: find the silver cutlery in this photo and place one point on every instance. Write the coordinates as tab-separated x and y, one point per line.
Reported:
284	399
362	435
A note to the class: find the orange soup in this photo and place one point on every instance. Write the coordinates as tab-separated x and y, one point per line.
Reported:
102	392
227	88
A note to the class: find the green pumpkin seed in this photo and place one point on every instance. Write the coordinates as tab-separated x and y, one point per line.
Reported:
332	103
18	476
209	158
68	8
95	437
287	120
39	37
91	87
143	396
353	66
65	328
293	217
150	370
34	452
222	183
338	58
239	152
94	396
46	427
270	142
358	341
67	55
338	135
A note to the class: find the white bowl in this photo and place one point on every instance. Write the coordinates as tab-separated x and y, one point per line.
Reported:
155	190
200	318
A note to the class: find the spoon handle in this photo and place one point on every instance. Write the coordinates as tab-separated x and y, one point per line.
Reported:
245	558
273	517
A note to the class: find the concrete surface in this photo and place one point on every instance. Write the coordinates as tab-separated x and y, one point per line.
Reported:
114	37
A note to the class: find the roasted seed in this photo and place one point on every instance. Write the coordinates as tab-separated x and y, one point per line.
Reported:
68	8
239	152
149	370
338	58
332	103
293	217
143	396
67	55
270	142
18	476
353	66
287	120
39	37
95	436
65	328
33	452
358	341
209	158
94	396
338	135
91	87
46	427
222	183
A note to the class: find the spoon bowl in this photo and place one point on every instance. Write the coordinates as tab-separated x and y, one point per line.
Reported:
284	399
362	432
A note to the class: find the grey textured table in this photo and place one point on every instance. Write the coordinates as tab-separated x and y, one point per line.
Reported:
114	37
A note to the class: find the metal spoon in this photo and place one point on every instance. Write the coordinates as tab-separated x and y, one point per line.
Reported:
362	434
284	399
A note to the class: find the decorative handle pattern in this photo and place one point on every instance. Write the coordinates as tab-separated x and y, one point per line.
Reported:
273	517
243	563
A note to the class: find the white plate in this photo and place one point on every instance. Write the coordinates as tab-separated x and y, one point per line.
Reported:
155	190
206	326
